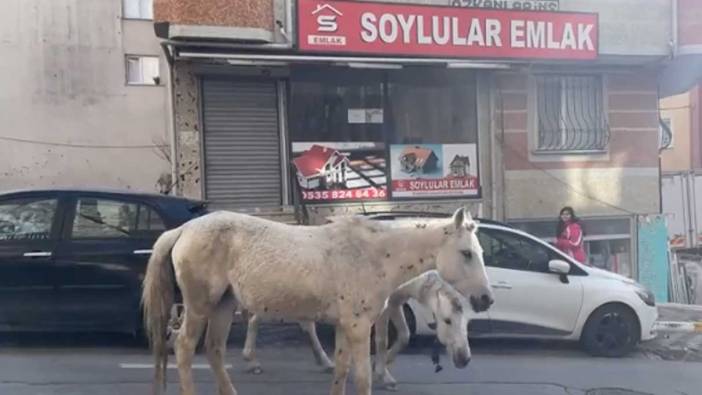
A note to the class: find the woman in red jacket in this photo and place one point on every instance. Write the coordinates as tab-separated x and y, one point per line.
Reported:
569	234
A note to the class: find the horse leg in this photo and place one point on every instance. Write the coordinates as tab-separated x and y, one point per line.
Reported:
188	337
319	354
380	371
359	341
342	362
249	352
218	328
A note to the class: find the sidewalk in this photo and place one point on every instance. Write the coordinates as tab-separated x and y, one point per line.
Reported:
679	312
679	333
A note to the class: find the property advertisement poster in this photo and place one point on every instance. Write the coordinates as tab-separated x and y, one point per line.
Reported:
334	172
434	170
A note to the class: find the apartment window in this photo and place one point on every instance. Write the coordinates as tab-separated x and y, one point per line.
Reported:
665	135
138	9
571	114
143	70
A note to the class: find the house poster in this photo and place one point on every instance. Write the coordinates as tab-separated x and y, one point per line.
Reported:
336	171
434	170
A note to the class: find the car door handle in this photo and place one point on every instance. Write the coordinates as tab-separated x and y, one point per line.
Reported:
37	254
143	252
502	285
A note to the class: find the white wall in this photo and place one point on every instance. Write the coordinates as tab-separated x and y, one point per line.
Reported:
62	79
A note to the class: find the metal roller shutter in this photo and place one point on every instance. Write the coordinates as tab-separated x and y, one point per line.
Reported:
242	143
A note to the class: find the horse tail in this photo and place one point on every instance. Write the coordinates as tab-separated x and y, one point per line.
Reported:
158	297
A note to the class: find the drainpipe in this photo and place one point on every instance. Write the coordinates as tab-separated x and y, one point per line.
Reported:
674	26
493	150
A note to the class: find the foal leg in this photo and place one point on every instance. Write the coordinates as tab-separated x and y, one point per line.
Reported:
380	371
395	314
319	354
188	337
216	341
249	352
342	358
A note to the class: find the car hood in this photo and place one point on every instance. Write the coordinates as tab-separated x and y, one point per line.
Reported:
599	273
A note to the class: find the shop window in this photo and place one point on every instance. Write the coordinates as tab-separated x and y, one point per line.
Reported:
377	134
397	107
143	70
433	107
613	255
138	9
570	114
336	109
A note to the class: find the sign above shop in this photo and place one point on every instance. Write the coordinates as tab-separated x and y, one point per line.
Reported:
360	27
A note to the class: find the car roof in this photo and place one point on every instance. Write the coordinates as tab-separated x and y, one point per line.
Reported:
154	198
490	224
426	214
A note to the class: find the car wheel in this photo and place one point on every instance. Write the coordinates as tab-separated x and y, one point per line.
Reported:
611	331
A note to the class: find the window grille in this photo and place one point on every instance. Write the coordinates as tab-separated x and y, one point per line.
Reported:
571	114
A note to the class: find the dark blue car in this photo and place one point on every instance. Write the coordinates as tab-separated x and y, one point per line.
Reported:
73	260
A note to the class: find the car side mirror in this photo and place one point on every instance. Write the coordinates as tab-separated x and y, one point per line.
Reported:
561	268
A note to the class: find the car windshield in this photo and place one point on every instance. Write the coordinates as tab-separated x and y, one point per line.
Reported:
434	196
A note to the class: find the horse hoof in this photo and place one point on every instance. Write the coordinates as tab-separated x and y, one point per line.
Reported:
256	370
390	387
328	369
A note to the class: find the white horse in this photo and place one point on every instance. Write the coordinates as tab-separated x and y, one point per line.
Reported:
431	291
341	273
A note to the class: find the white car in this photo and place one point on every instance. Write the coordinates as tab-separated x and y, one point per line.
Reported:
542	293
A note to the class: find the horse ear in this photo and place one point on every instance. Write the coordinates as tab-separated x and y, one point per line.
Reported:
468	215
459	217
472	226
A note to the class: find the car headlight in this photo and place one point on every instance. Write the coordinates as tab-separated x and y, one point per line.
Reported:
646	296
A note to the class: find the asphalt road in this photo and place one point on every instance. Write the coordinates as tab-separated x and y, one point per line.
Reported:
97	365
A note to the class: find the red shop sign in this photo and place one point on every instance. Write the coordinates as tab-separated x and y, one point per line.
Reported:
361	27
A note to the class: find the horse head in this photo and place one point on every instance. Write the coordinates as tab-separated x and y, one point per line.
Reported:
460	261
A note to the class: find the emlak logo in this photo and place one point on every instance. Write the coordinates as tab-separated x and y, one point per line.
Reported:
326	17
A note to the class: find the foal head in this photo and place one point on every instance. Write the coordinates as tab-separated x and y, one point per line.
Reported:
460	261
452	325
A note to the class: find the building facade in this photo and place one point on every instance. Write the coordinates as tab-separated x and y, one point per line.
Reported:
84	98
516	110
